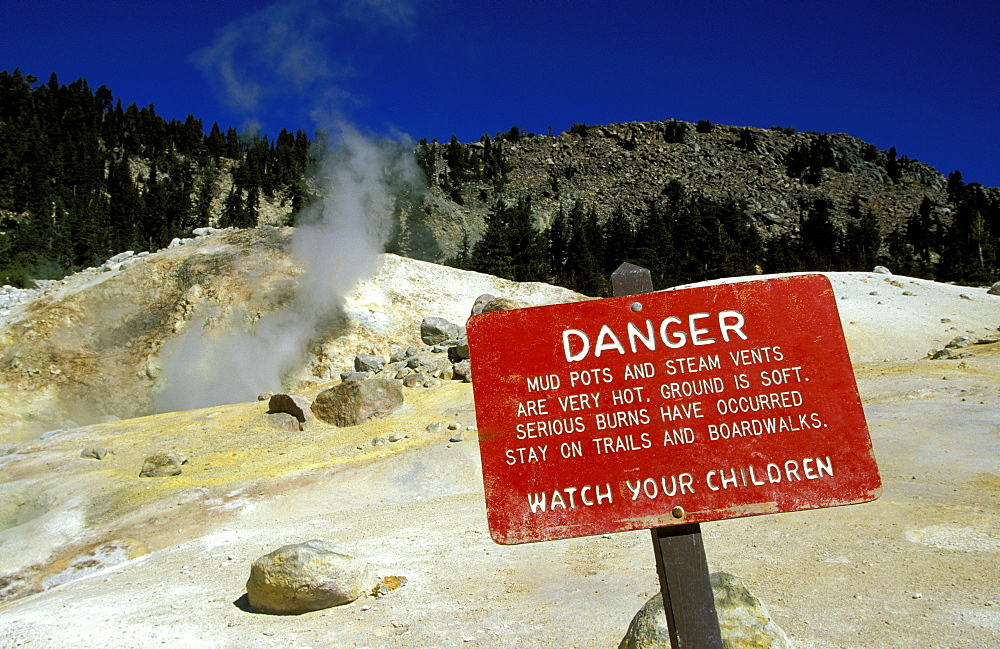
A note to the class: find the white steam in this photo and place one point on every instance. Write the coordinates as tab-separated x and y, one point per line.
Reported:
257	64
337	244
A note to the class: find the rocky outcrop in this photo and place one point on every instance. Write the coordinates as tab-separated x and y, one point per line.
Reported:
621	167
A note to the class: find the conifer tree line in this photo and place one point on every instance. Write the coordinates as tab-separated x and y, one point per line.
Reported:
82	178
682	238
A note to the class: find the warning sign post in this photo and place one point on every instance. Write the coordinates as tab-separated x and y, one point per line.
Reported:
664	408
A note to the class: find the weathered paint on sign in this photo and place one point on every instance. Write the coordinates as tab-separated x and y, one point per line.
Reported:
674	407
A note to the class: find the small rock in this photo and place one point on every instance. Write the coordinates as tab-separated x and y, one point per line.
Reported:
293	405
284	421
882	270
414	380
965	297
368	363
463	371
958	342
460	351
482	301
378	441
434	330
995	289
162	465
354	377
395	437
457	437
454	425
94	453
305	577
436	427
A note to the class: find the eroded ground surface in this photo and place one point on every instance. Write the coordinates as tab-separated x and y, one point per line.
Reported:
126	562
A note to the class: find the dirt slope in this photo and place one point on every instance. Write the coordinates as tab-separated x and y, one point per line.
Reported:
88	348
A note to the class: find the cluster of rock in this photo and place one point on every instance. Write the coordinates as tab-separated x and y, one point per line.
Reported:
373	389
11	296
955	349
375	385
121	260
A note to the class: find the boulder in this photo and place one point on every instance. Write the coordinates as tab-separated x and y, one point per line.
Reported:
882	270
482	301
459	352
368	363
414	380
463	371
293	405
306	577
283	421
995	289
501	304
743	620
349	404
434	330
162	465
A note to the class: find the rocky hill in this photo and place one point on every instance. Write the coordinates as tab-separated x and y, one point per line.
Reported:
624	166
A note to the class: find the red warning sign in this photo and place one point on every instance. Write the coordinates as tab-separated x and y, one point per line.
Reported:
680	406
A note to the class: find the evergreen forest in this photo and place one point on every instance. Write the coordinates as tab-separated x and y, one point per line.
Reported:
83	178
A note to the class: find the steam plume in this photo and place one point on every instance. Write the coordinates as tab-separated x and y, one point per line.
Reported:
336	242
336	245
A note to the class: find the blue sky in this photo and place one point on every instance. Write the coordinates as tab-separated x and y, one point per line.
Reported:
922	76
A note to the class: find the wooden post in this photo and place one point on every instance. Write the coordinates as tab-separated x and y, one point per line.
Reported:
680	553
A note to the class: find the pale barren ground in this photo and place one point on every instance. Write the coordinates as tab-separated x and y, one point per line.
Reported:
920	567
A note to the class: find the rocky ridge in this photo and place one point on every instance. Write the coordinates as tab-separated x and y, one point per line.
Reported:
623	166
